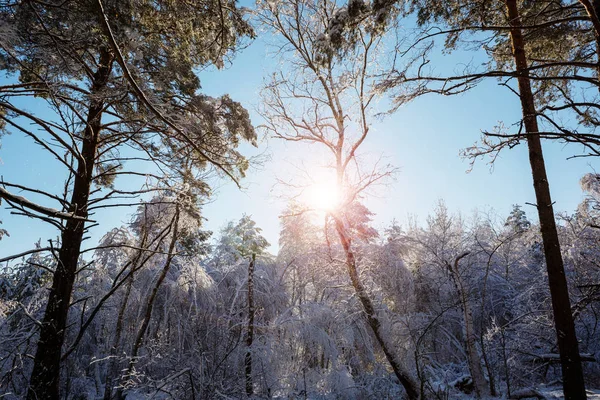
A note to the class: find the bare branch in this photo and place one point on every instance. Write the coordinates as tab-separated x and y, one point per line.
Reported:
50	212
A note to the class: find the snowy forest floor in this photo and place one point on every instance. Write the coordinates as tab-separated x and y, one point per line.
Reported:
555	392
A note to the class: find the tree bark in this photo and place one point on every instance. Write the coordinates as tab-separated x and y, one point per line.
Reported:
592	9
45	377
573	383
407	381
250	334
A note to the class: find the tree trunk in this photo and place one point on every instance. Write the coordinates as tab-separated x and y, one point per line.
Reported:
407	381
596	6
136	264
139	339
250	336
473	359
112	364
45	377
592	9
573	383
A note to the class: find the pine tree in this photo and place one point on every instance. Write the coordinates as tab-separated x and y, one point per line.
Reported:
114	74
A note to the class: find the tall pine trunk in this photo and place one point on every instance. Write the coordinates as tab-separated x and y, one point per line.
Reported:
45	377
592	8
250	333
407	381
573	383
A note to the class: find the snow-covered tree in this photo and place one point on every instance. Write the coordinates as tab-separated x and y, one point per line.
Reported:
321	99
111	75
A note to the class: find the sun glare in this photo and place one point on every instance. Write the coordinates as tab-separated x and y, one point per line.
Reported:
323	196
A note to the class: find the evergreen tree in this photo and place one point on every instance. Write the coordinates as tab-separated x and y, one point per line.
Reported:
517	220
114	75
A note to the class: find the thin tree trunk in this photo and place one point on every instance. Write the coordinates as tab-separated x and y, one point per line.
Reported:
250	336
492	383
112	366
488	366
149	305
505	361
481	387
45	377
573	383
407	381
111	370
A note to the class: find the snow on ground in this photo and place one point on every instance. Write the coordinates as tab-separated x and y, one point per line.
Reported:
556	393
552	393
548	393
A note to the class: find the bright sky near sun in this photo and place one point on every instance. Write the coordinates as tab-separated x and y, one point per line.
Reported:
422	139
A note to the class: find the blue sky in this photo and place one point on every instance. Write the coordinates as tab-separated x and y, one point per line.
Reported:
422	139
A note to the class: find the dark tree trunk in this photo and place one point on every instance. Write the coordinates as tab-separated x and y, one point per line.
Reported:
592	9
573	383
45	377
407	381
250	336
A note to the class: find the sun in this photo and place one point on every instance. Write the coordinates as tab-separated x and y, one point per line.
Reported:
324	196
